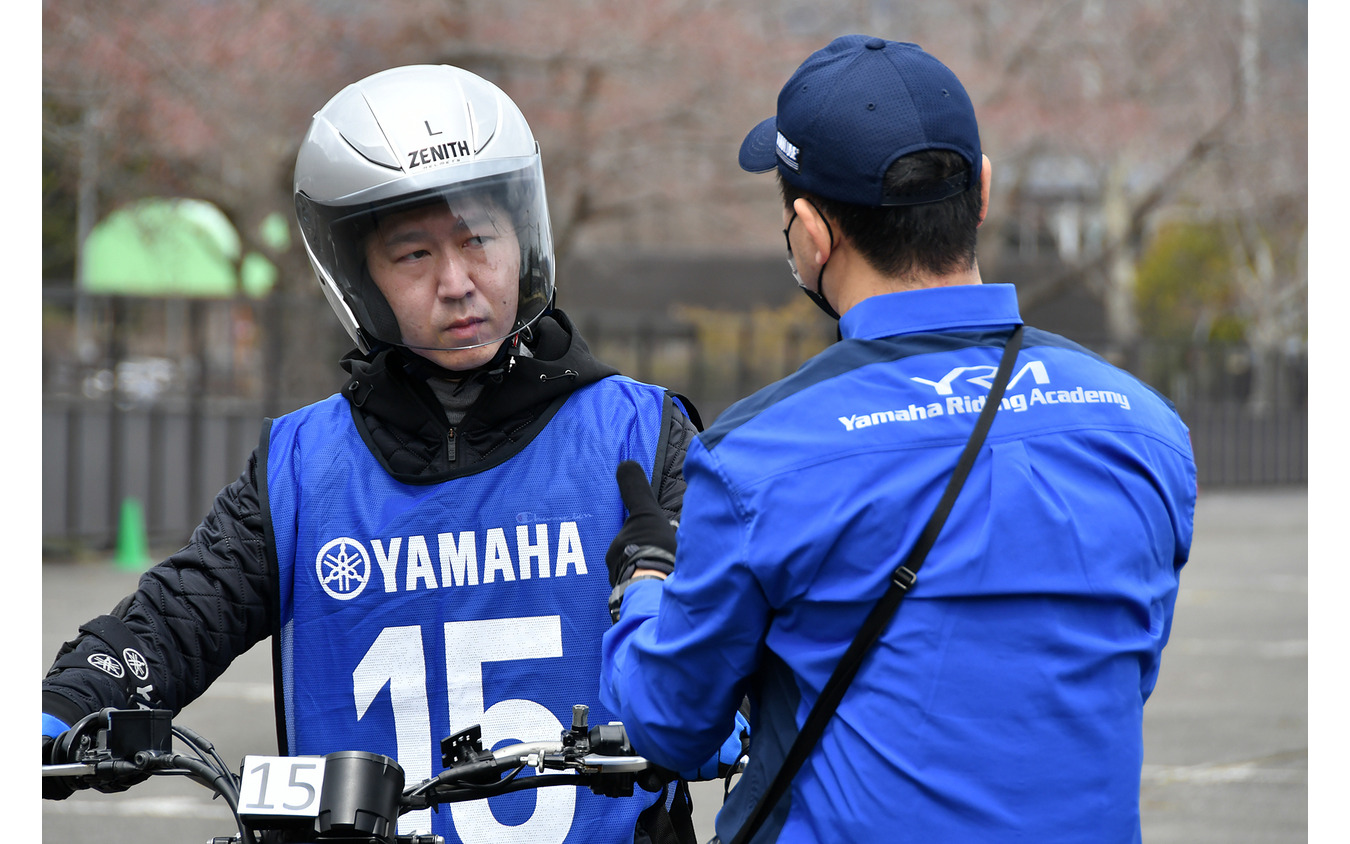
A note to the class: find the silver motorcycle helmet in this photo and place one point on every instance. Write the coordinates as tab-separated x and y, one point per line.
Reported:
404	139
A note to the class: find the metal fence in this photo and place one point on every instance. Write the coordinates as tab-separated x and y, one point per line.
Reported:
136	429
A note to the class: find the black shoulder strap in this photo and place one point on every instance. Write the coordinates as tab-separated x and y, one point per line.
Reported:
689	410
902	580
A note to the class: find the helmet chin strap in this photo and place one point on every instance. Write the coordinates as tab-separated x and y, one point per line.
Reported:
498	365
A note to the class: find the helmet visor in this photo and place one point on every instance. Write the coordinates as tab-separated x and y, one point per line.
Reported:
451	267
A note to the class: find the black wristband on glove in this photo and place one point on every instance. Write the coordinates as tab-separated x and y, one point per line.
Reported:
647	538
644	557
616	596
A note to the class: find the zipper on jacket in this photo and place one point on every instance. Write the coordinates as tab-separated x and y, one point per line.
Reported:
450	450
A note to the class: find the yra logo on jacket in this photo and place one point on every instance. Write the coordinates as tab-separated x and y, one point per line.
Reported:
984	377
949	402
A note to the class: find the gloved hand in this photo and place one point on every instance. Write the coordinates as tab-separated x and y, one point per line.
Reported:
726	757
647	538
66	747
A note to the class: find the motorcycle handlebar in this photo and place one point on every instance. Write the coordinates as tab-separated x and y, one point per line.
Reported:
113	749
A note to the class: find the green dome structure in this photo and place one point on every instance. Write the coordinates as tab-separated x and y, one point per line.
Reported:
176	247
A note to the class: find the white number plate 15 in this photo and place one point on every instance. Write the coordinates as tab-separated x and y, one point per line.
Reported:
281	785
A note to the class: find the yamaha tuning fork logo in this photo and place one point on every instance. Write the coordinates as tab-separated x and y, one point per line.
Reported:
132	658
108	664
343	567
140	669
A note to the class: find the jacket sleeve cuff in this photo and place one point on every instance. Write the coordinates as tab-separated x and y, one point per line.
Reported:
61	708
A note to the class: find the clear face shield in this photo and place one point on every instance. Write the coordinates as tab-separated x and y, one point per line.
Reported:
448	268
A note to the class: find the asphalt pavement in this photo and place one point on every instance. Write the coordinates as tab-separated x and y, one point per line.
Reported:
1225	733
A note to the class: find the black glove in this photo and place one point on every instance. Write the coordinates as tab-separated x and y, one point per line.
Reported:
647	538
55	788
69	746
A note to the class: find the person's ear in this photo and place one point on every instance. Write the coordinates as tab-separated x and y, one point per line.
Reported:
816	229
985	178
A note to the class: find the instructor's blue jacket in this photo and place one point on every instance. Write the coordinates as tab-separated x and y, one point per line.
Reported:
1004	702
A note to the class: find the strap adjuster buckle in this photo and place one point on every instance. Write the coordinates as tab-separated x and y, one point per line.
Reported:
904	578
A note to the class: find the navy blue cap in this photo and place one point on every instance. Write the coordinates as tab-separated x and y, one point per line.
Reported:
856	106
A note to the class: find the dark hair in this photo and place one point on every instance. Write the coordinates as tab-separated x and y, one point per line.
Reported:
898	241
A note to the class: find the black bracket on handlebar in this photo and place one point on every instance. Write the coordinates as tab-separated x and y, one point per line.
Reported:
463	746
114	745
115	734
468	766
132	730
464	752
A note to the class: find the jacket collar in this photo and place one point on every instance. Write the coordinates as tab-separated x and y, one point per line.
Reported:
968	306
390	382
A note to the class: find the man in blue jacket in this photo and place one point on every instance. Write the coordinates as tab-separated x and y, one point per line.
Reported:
1004	700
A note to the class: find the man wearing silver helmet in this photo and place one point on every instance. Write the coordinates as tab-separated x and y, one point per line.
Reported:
424	548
